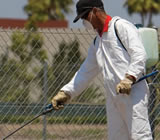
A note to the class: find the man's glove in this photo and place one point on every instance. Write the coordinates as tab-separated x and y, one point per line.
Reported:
124	87
59	100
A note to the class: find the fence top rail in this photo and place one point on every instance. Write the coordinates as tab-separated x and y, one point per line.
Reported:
53	30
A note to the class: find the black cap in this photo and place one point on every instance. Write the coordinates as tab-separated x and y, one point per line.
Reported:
84	6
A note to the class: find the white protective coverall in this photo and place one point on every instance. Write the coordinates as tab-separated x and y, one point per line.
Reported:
127	114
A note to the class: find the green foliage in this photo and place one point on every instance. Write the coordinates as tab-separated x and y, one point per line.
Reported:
16	119
46	9
36	43
37	12
26	47
65	63
19	45
55	120
78	120
14	81
91	95
57	8
159	53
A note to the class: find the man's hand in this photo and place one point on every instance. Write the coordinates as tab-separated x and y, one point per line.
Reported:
59	100
124	87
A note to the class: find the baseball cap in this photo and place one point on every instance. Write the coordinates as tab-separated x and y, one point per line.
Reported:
84	6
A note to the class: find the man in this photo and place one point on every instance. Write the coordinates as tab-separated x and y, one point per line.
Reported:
121	67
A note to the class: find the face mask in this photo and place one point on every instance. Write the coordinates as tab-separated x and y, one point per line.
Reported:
87	25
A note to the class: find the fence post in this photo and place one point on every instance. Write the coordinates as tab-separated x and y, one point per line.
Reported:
45	72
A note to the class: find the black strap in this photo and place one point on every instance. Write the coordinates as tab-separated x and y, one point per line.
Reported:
95	40
116	31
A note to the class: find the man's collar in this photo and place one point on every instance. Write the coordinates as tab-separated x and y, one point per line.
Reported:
105	28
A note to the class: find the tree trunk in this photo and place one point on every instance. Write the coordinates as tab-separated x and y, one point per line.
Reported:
142	19
150	23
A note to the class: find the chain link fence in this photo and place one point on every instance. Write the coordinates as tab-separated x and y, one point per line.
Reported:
34	66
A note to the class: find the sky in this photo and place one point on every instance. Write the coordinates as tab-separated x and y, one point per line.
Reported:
14	9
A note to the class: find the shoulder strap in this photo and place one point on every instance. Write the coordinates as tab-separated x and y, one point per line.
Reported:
95	40
116	31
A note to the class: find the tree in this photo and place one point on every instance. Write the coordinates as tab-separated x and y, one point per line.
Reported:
92	94
146	8
154	9
14	81
65	63
25	47
57	8
48	9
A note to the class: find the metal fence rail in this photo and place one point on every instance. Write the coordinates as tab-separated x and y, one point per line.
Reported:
34	66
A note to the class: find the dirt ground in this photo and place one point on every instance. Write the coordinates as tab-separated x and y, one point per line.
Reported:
55	132
59	132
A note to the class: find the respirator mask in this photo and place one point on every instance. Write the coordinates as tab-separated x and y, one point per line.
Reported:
87	24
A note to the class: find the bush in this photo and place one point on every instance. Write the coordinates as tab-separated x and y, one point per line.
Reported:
54	120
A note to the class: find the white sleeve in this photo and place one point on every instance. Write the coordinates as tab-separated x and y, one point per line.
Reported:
82	78
130	38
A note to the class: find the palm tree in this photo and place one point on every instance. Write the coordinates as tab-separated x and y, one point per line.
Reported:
146	8
154	9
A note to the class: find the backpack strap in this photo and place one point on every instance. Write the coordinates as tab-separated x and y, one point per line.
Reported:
116	31
95	40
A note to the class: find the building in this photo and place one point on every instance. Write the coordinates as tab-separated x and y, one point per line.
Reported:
19	23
